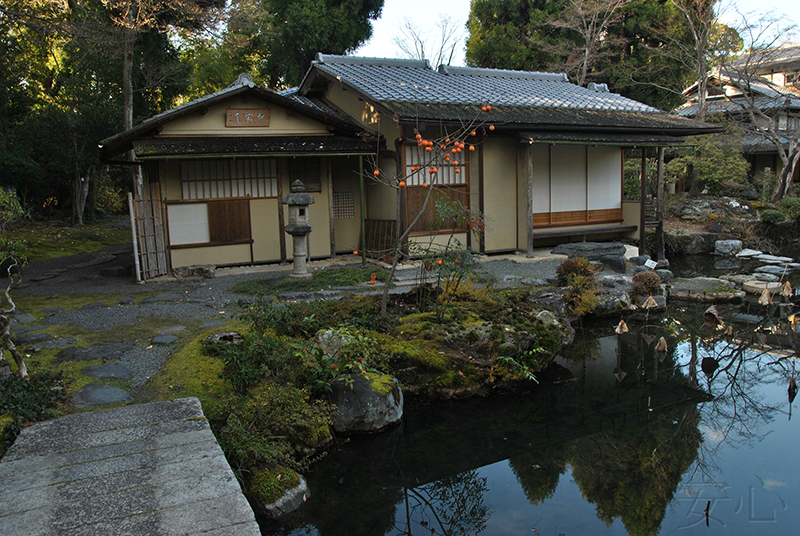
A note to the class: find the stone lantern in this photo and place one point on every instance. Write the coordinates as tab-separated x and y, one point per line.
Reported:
298	227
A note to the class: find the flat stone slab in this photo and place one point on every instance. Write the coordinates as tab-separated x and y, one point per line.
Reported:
171	330
592	251
144	470
211	324
767	277
32	338
55	343
758	287
747	252
52	310
99	394
773	259
94	305
164	339
165	297
107	370
43	277
24	318
127	300
109	352
780	271
704	289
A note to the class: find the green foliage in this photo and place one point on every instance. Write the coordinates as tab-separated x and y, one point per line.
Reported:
578	274
28	401
10	209
582	298
505	34
274	426
567	271
642	43
646	284
772	217
301	319
791	206
247	363
451	261
716	158
276	40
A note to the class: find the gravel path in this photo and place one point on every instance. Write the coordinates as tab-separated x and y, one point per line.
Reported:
189	301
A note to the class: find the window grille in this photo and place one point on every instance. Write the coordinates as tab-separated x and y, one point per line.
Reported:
446	175
343	205
214	179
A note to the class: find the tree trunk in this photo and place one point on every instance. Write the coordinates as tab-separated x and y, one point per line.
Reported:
787	173
694	178
127	101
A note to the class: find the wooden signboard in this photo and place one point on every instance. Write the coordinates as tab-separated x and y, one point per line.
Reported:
247	117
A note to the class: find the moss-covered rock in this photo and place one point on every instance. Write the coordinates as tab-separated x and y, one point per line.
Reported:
366	404
277	491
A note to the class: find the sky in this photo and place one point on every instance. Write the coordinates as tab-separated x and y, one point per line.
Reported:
425	14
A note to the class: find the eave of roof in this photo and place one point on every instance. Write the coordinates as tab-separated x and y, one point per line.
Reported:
506	118
602	138
250	146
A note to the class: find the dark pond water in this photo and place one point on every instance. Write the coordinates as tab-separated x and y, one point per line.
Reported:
623	440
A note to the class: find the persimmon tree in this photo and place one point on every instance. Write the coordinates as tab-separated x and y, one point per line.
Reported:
438	160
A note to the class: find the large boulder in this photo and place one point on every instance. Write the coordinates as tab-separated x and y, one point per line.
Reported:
593	251
705	289
291	499
727	248
693	243
612	302
700	210
366	404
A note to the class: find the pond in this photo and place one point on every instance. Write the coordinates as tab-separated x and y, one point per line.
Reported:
618	439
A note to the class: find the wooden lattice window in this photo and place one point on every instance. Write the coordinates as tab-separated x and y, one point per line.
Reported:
239	177
343	205
450	173
451	185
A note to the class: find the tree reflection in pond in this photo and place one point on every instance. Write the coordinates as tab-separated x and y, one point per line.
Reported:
454	505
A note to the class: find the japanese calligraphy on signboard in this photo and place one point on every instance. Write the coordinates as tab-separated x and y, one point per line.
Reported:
247	117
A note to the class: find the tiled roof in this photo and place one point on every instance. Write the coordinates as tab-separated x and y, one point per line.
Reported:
412	81
766	58
766	96
754	142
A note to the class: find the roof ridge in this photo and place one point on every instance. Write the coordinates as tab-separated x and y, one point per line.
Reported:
383	62
503	73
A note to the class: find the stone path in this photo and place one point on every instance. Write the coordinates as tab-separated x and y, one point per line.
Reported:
148	469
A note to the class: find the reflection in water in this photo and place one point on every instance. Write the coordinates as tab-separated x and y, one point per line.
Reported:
632	428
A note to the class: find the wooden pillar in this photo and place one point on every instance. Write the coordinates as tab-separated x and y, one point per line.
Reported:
331	220
529	203
660	254
642	199
362	207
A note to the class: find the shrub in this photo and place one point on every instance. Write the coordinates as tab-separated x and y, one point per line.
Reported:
791	205
28	401
771	216
646	284
274	426
568	270
582	297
